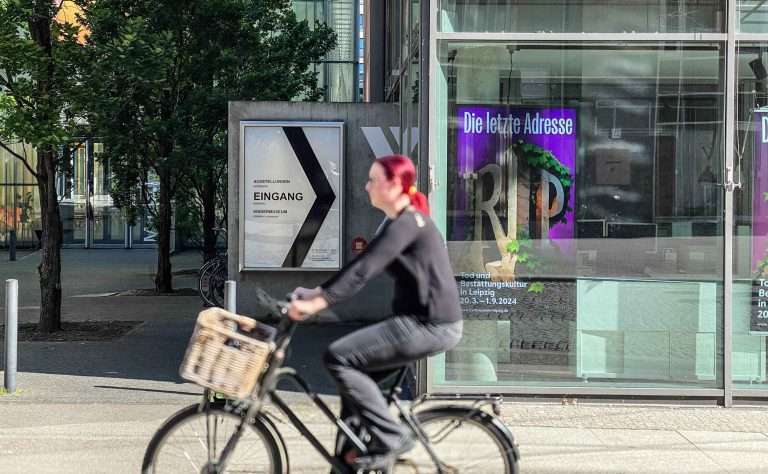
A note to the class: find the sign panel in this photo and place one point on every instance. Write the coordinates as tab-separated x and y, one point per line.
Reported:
759	317
290	195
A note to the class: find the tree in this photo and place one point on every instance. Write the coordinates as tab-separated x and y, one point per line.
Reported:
39	58
163	71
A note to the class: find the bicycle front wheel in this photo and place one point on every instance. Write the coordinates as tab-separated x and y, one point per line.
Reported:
192	441
464	440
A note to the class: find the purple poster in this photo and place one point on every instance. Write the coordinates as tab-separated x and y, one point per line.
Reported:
513	199
541	141
759	320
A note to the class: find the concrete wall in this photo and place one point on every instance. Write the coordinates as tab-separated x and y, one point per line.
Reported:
359	218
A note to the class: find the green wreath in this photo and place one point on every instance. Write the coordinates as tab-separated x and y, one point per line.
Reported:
541	158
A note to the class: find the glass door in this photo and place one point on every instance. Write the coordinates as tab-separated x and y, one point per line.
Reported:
108	222
89	216
74	203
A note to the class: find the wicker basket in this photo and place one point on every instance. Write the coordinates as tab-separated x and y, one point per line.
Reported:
222	359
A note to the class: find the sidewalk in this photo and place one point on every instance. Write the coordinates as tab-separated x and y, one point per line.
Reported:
111	436
91	407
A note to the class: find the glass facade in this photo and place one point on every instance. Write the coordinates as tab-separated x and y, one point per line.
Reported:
600	172
19	202
88	214
590	16
340	72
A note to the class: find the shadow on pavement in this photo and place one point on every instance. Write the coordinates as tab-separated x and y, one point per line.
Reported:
154	350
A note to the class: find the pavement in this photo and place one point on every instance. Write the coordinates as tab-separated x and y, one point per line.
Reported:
91	407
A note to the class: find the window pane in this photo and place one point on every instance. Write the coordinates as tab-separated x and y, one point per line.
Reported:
584	212
341	82
19	202
583	16
753	16
750	295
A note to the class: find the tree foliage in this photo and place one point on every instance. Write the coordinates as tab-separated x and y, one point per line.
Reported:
39	58
162	74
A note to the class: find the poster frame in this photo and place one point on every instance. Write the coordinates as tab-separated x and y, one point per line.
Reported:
244	124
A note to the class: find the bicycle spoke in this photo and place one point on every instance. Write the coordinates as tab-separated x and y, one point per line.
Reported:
199	439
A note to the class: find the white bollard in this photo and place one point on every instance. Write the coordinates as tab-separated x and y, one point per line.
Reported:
230	296
11	333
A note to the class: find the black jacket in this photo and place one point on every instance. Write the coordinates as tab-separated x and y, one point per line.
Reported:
412	251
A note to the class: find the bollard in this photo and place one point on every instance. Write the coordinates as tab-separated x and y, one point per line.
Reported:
230	296
12	245
11	333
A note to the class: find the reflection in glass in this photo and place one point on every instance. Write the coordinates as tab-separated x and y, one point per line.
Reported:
584	16
337	69
584	212
753	16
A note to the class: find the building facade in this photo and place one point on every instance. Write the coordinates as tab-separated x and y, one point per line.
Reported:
599	170
341	72
88	215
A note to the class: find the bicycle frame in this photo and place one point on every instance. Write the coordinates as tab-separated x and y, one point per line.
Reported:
268	389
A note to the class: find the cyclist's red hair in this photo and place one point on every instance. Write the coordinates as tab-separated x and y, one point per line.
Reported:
399	166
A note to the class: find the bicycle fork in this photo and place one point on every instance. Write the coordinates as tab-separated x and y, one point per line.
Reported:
217	467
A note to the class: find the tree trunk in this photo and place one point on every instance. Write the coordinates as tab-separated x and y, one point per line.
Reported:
163	278
209	216
50	243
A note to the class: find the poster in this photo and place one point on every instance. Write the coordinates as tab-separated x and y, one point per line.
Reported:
513	209
759	317
290	188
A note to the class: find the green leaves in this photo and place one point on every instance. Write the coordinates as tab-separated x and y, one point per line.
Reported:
40	83
540	158
536	287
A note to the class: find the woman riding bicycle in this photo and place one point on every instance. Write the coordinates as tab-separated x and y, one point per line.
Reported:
426	317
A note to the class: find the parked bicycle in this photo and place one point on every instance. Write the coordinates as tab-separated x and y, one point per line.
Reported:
212	278
238	435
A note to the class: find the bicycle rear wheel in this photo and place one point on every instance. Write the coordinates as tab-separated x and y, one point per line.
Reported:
465	440
191	441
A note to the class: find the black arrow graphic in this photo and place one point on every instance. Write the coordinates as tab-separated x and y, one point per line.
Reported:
321	206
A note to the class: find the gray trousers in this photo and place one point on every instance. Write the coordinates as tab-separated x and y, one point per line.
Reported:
358	360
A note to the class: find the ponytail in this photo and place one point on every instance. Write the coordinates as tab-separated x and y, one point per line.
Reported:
399	166
418	200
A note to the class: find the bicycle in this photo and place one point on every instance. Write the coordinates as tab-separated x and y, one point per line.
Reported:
212	278
218	436
210	284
